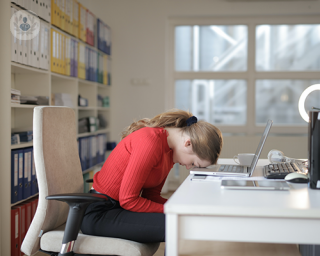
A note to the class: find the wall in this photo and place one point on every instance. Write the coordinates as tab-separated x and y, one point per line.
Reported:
5	115
139	51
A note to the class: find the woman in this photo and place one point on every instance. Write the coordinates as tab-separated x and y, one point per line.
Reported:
133	175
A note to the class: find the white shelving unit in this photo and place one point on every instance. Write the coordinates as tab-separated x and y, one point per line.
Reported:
33	81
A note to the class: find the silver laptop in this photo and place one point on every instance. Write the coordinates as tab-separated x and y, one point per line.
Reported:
236	170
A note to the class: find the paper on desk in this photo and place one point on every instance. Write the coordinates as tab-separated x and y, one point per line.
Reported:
209	177
217	178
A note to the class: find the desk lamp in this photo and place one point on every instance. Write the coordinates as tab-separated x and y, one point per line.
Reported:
313	118
304	95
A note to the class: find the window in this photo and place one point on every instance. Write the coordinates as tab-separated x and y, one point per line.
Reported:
239	72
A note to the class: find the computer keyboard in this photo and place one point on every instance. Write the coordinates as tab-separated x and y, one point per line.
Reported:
280	170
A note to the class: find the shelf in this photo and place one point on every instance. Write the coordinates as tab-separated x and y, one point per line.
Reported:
22	145
82	81
18	68
30	197
86	108
80	135
103	86
103	108
57	77
16	105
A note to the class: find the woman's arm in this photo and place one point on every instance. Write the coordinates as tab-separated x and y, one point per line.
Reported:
145	154
153	194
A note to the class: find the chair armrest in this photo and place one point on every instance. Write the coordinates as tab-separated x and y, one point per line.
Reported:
89	180
78	203
78	197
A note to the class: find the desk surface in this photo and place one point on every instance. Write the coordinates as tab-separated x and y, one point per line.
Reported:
207	198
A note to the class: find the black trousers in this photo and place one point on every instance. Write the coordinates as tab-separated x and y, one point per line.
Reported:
109	219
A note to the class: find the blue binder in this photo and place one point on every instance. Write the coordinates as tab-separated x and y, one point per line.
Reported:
20	175
14	175
99	34
89	153
27	172
87	62
81	149
34	183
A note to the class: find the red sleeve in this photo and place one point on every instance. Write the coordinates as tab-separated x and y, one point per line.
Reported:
144	156
154	194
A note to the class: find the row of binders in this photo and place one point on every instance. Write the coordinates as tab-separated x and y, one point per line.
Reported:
97	67
103	37
75	19
73	58
23	175
92	150
41	8
65	15
21	218
34	52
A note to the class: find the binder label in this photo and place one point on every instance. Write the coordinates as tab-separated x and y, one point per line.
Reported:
20	165
16	170
16	230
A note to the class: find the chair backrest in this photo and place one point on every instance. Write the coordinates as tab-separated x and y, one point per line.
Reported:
58	169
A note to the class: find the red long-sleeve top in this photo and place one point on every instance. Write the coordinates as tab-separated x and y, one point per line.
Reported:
135	171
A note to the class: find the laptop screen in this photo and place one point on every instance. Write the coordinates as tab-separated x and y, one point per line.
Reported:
260	146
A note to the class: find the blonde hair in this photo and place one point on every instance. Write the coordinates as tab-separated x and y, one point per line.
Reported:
206	139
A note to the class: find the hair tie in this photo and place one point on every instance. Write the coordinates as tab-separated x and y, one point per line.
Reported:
191	120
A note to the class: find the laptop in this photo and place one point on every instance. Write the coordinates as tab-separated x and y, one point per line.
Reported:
235	170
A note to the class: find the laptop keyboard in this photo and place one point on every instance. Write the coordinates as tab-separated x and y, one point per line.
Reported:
231	168
281	170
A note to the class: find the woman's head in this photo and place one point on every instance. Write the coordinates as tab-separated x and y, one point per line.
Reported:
205	138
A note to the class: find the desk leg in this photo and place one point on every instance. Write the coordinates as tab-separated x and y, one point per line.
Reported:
172	235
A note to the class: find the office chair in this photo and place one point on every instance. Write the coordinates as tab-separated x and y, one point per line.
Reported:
55	227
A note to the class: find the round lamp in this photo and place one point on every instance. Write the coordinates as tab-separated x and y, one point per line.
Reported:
304	95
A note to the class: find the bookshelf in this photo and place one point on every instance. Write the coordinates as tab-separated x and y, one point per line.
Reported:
32	81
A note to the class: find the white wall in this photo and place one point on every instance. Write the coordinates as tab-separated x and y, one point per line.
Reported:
139	51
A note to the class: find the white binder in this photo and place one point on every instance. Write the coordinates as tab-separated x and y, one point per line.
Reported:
30	52
14	41
27	4
20	55
48	10
34	6
35	51
25	52
41	46
46	46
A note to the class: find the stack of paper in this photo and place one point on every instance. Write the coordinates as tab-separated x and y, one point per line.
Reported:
15	96
63	99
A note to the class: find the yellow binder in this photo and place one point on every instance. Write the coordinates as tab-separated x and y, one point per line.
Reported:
68	15
105	69
62	14
54	61
75	18
82	22
59	52
58	15
63	56
54	12
67	55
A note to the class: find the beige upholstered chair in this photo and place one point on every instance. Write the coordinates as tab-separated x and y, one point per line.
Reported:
60	177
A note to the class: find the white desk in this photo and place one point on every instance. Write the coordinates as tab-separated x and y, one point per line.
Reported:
201	210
